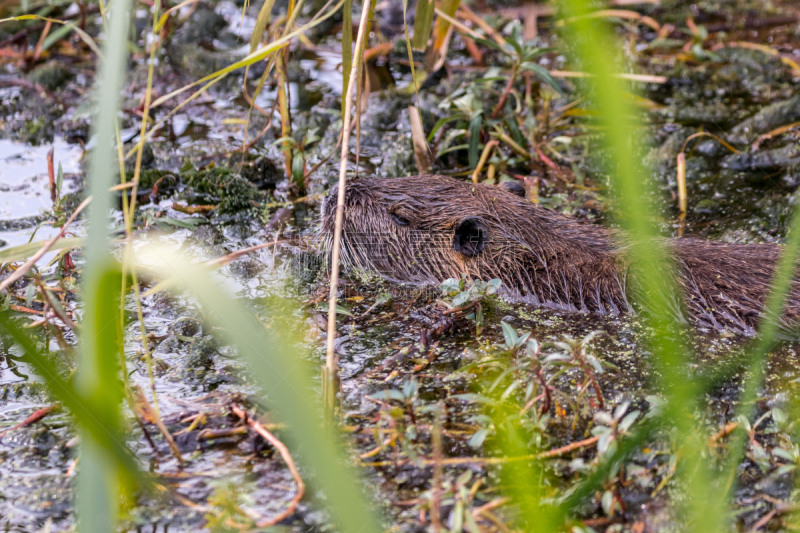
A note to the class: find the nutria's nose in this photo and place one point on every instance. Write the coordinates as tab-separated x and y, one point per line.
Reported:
471	236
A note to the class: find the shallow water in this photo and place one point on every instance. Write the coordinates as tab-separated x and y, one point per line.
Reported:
192	374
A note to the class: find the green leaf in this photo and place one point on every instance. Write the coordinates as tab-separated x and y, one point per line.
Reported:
510	334
388	394
262	21
474	139
513	127
59	180
477	439
23	251
441	122
462	298
491	44
423	20
544	75
784	454
30	292
450	285
298	170
512	41
493	285
628	421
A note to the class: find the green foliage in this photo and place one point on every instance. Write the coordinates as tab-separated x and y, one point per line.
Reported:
478	112
461	295
227	500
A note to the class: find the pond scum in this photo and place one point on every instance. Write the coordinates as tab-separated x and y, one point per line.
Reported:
165	303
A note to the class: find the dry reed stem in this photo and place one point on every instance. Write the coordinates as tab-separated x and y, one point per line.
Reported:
18	273
287	458
681	162
724	432
418	137
489	506
129	216
457	461
330	358
225	259
487	151
51	174
708	134
156	416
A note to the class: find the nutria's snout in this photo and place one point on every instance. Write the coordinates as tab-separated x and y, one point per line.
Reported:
471	236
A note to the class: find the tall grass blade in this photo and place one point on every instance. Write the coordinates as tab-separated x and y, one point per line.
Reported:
99	477
277	366
423	20
595	46
86	414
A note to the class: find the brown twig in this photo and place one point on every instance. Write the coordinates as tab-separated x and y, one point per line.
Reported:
145	406
331	362
724	432
506	91
287	458
489	506
51	174
569	447
208	434
225	259
457	461
35	417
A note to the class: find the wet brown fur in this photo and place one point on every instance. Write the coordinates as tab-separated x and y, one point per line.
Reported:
541	256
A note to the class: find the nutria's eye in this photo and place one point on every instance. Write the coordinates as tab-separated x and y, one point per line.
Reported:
471	236
400	221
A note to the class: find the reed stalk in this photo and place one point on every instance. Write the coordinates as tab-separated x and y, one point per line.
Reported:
329	374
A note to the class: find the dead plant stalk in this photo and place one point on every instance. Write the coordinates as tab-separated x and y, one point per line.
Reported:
330	359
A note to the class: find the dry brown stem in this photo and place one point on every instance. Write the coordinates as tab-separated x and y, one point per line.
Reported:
287	458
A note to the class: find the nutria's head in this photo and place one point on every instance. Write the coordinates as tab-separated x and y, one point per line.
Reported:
425	229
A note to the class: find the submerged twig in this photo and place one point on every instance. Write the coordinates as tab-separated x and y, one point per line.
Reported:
35	417
287	458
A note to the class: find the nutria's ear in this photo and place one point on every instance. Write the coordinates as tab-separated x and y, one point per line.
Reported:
514	187
471	236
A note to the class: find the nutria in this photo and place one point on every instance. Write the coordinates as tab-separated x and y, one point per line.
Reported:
425	229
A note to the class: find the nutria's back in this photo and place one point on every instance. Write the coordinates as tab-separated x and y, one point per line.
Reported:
425	229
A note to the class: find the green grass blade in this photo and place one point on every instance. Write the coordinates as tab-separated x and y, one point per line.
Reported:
23	251
599	55
100	340
423	21
277	366
474	139
82	409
